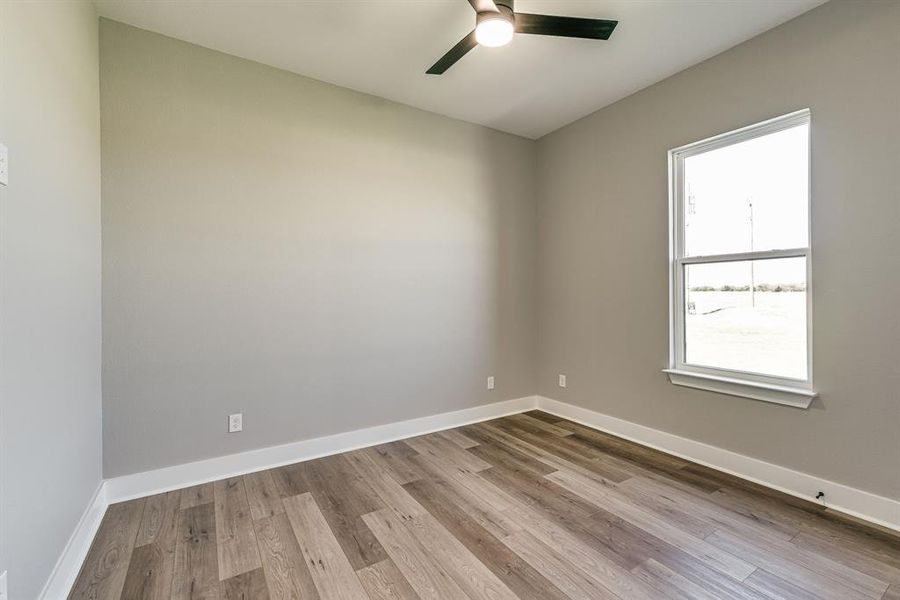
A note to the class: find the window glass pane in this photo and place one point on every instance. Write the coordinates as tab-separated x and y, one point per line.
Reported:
747	316
748	196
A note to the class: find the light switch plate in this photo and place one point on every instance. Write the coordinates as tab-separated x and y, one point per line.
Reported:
4	165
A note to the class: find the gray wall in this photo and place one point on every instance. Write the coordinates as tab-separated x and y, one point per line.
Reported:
49	283
317	258
602	250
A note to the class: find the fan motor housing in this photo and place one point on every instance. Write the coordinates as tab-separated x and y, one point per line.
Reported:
503	12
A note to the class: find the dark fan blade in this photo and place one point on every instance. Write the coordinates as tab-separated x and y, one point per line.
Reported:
595	29
455	53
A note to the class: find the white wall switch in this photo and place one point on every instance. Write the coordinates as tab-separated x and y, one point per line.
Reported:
562	380
4	166
235	422
490	383
4	593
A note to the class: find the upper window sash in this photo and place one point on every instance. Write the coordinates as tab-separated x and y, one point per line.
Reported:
794	119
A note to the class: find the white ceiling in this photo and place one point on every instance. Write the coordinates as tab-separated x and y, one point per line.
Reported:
531	87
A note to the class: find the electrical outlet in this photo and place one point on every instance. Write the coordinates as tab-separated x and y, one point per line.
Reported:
562	380
235	422
4	170
490	382
4	593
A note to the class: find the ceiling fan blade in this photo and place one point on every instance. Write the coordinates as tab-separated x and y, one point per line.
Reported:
595	29
455	53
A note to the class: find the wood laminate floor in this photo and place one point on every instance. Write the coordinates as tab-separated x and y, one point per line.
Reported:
527	506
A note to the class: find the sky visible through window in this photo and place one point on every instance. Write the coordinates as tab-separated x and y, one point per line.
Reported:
749	196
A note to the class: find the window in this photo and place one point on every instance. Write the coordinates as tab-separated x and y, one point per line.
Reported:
740	262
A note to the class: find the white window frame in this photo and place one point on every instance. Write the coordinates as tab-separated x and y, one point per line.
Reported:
780	390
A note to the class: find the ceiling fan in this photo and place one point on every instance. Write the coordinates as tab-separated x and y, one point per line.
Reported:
496	21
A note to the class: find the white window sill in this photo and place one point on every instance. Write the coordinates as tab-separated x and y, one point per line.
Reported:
796	397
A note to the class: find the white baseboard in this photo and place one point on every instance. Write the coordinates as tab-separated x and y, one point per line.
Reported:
69	564
157	481
842	498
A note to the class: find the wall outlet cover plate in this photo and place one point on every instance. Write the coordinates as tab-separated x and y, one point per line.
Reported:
235	422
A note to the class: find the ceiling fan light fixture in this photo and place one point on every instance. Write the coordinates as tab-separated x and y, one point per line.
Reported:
496	21
494	29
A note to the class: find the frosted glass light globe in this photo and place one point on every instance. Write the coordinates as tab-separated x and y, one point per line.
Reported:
494	32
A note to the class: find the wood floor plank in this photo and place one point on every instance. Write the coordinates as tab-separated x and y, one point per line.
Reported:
540	424
670	583
150	573
512	570
394	457
530	506
715	582
716	558
152	565
470	574
561	457
197	495
511	459
611	536
343	496
542	493
236	544
475	485
849	555
196	572
869	541
427	577
393	495
543	416
447	451
159	522
628	545
617	446
817	583
287	574
776	587
583	556
562	573
702	508
481	504
384	581
459	438
490	444
849	577
263	495
329	566
246	586
291	480
682	516
106	566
